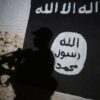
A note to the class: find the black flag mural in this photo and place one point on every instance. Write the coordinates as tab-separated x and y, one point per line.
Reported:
75	28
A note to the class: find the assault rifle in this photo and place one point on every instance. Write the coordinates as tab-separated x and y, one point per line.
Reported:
8	63
10	56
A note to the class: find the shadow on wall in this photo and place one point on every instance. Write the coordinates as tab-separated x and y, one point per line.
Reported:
32	78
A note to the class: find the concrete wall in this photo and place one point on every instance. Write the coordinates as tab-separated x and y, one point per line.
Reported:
14	16
13	22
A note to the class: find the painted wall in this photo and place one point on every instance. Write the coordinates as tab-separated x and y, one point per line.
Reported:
74	26
14	16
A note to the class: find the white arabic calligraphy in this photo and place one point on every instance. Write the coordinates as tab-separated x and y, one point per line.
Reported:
83	10
67	8
64	8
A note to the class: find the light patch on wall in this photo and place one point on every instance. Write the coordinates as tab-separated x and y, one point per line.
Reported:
10	42
70	51
65	96
7	93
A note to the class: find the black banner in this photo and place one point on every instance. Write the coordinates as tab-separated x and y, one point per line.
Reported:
75	26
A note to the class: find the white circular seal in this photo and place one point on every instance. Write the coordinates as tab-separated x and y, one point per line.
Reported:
70	51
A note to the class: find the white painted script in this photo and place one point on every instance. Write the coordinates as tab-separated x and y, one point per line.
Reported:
67	8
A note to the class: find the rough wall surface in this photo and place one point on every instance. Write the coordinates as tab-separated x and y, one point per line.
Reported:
62	96
13	22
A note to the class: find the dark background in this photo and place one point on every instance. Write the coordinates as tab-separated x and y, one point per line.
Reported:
86	83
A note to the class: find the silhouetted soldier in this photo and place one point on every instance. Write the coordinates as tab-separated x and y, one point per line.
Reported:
36	67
